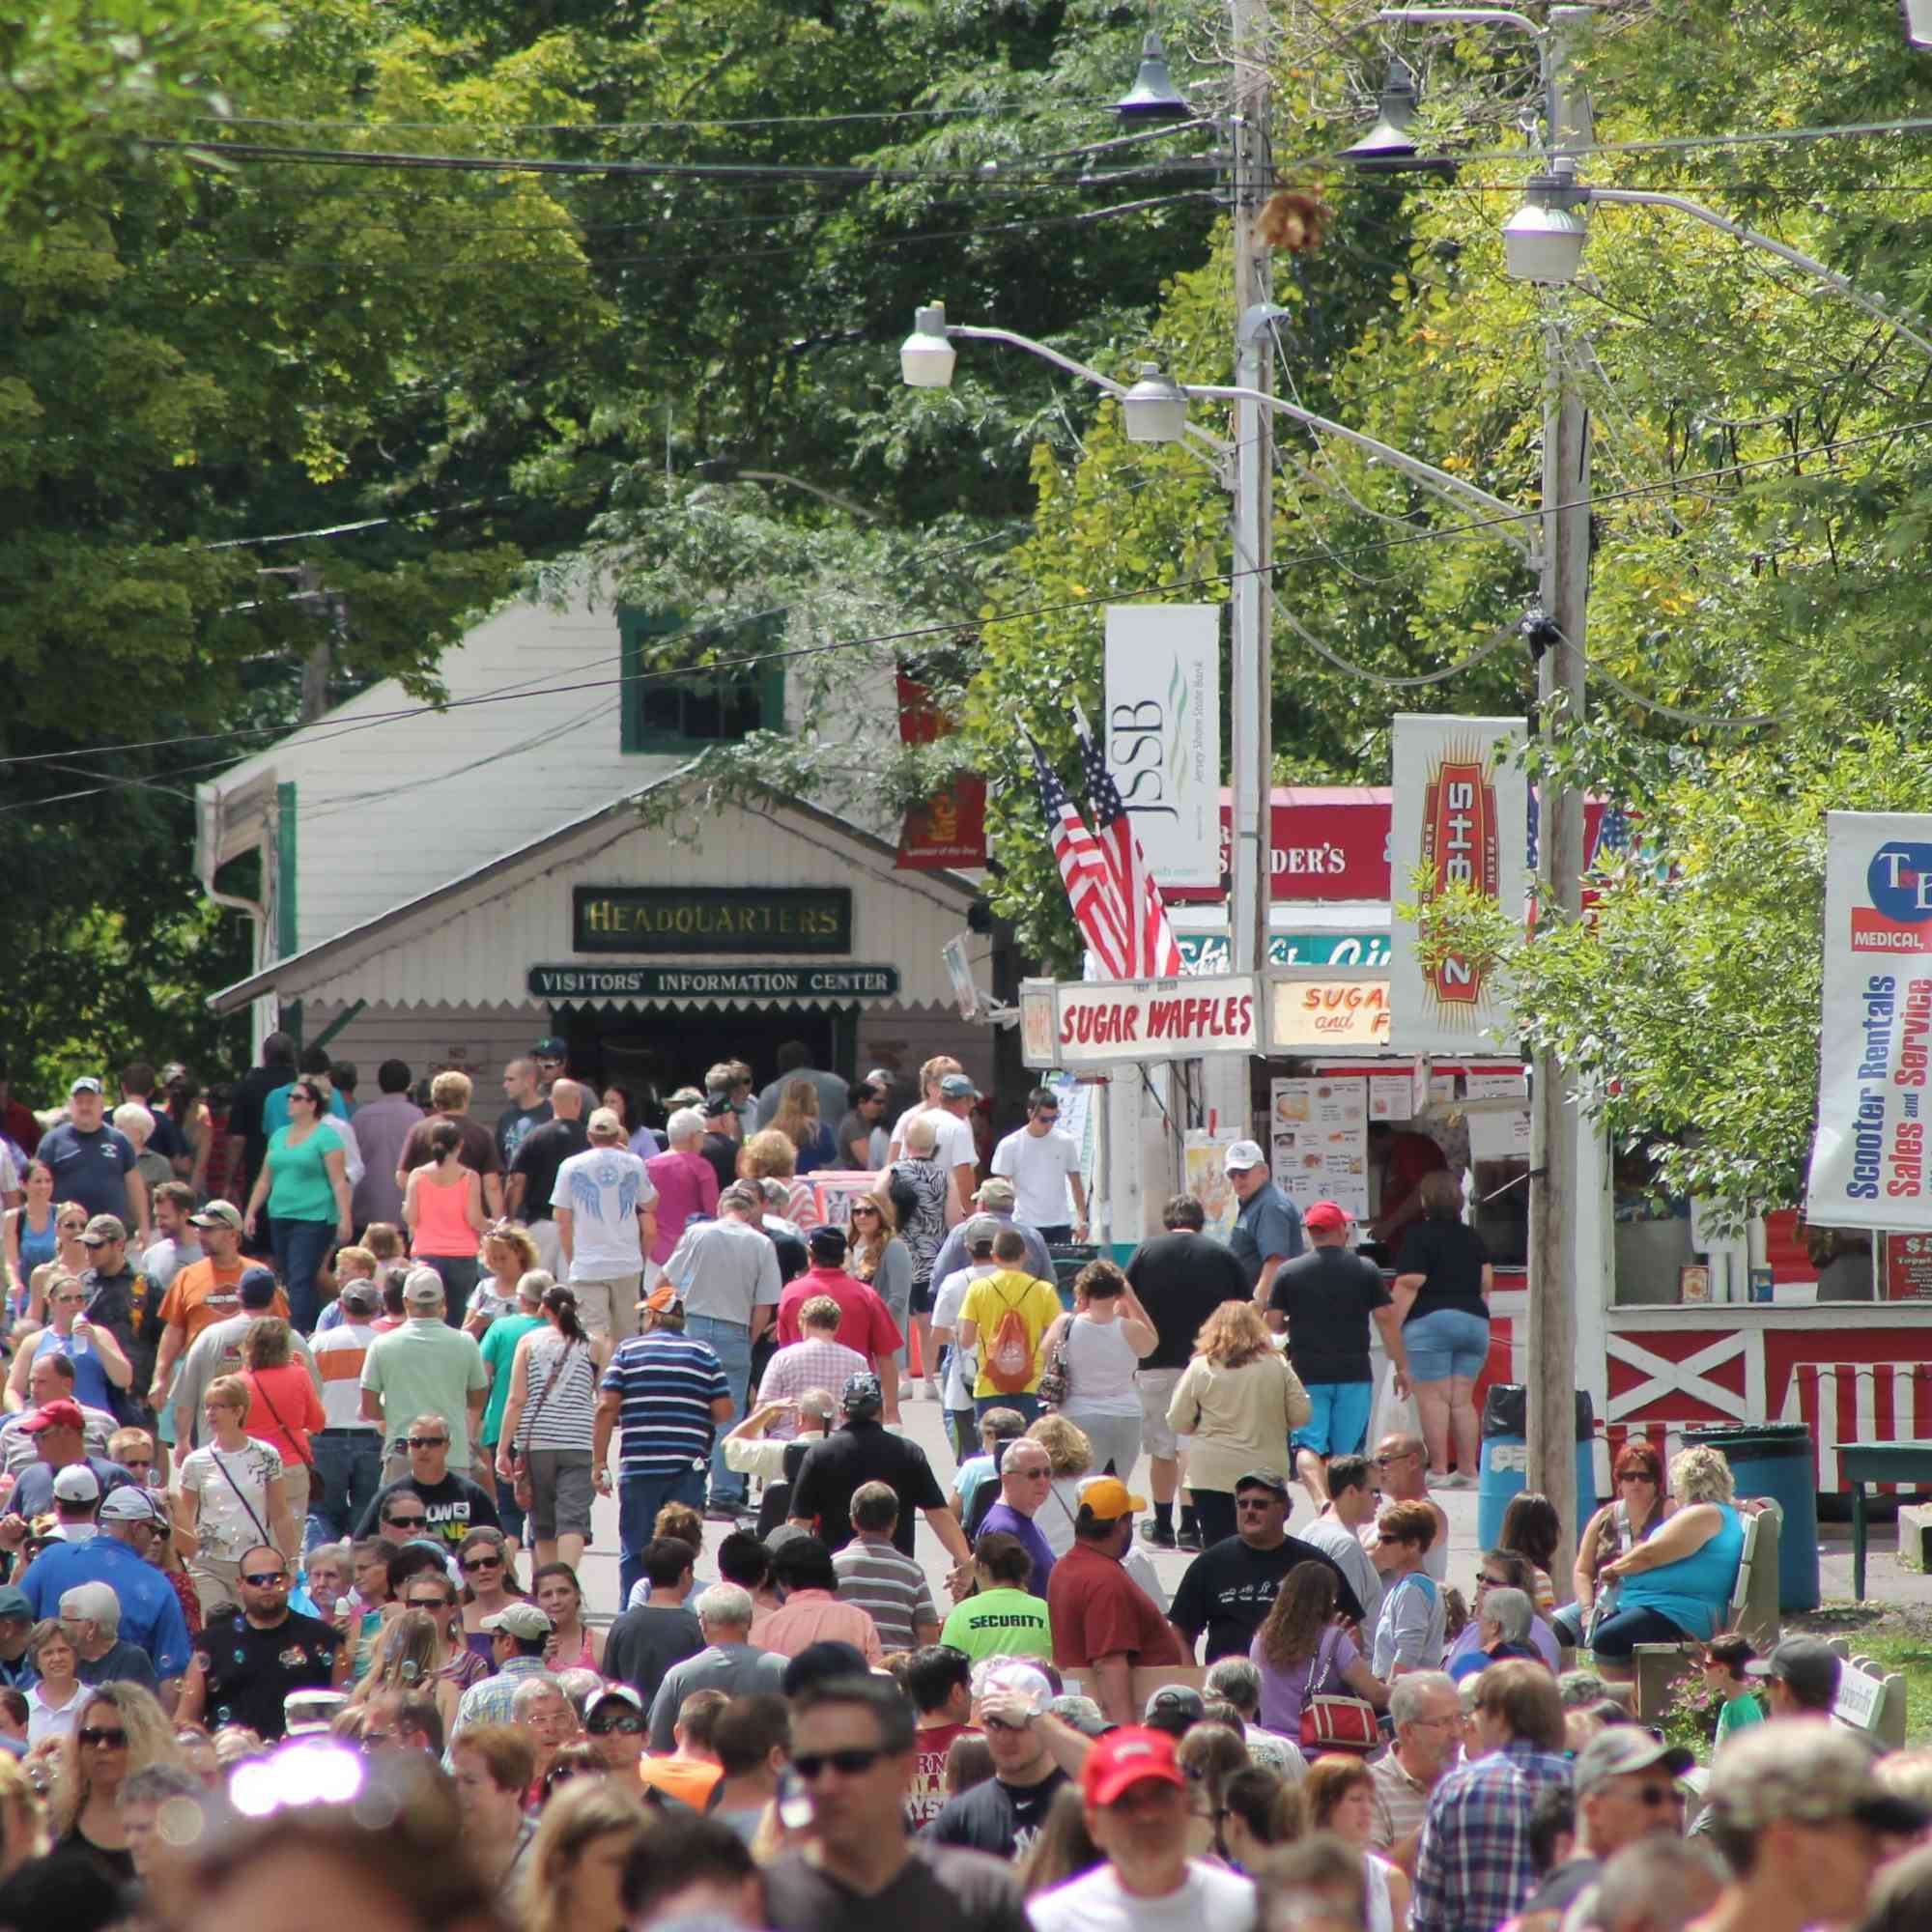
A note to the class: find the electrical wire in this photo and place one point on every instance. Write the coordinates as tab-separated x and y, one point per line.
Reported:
1470	663
1714	719
951	628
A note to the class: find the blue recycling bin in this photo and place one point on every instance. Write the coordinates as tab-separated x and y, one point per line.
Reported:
1505	1459
1774	1459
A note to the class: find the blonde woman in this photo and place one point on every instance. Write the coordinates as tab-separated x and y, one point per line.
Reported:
23	1819
771	1156
410	1656
283	1406
1238	1400
230	1496
53	1700
1675	1583
879	1259
797	1120
508	1255
122	1730
574	1870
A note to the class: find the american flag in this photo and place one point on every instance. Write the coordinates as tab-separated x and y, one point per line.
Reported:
1151	952
1084	871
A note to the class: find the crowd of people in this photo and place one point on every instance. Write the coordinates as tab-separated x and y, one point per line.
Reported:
310	1404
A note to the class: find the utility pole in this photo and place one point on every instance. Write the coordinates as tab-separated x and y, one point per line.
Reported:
1555	1126
318	664
1252	603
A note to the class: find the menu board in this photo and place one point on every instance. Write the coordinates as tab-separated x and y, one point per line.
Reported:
1390	1096
1318	1142
1907	1267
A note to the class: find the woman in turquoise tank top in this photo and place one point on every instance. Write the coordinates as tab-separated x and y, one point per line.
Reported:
1677	1583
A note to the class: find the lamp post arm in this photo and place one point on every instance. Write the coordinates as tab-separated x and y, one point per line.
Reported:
1040	349
1439	481
1464	16
1852	293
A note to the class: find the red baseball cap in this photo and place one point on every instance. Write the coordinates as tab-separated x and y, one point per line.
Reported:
54	1415
1324	1214
1126	1757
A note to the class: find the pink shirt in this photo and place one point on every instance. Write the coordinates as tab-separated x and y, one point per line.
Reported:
818	1362
816	1616
687	1185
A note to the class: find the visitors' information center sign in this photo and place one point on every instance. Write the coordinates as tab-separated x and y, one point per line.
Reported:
711	920
1111	1023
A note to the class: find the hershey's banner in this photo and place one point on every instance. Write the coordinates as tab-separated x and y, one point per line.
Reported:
1163	736
1461	813
1868	1162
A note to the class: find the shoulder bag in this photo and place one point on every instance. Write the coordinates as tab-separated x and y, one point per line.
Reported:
519	1482
1055	1379
241	1497
1335	1719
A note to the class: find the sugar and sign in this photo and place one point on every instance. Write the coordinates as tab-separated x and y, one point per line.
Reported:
1868	1162
1099	1023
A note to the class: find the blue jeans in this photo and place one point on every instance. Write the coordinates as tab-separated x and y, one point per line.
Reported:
1621	1632
731	1343
300	1249
638	1500
348	1473
460	1275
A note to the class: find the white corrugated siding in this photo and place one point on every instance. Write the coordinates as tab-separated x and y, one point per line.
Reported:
476	951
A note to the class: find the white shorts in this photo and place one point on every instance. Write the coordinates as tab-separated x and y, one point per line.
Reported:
1156	1387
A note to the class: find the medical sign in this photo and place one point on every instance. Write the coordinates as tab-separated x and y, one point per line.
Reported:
1868	1160
1461	808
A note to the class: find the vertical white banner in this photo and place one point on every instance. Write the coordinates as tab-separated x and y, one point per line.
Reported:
1868	1162
1162	735
1462	815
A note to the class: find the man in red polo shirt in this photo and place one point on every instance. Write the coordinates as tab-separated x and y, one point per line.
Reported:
865	1323
1102	1620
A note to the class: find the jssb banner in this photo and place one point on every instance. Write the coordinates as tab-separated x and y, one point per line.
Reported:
1163	734
1868	1162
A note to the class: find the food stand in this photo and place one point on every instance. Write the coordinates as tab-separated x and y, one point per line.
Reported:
1678	1325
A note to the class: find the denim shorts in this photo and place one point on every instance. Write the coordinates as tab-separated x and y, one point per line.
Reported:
1445	1343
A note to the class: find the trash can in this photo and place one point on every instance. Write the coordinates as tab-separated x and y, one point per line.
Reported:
1775	1459
1505	1459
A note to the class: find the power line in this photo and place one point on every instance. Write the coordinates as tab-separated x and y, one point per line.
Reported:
954	627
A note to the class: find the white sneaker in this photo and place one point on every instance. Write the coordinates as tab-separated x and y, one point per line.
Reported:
1455	1480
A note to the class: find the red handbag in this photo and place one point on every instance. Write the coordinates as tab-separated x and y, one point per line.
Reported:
1335	1720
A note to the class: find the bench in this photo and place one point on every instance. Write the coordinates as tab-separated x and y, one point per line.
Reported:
1906	1460
1754	1611
1869	1701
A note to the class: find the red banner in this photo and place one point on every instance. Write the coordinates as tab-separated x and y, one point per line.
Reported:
950	829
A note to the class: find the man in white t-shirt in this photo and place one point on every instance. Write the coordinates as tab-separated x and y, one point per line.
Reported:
1138	1806
1043	1161
946	1099
606	1221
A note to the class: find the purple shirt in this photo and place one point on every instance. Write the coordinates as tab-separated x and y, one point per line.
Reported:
687	1185
1004	1517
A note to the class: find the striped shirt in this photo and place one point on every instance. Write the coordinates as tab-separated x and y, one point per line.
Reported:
560	1410
816	1363
667	1382
890	1588
339	1355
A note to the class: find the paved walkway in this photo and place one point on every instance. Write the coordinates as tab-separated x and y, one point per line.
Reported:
1887	1582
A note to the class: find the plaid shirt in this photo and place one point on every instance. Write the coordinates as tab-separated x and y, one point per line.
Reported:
812	1364
1474	1869
489	1702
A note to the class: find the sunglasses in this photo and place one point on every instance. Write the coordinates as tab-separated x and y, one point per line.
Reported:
103	1740
852	1763
266	1580
405	1521
426	1441
477	1562
628	1723
865	1211
431	1603
1268	1502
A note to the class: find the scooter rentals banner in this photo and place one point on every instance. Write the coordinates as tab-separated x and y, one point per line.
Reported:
1868	1162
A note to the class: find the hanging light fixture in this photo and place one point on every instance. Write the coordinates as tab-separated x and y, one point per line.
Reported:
1155	407
1154	95
926	356
1543	240
1387	147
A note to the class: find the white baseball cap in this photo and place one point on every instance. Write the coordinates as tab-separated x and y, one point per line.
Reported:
1242	1156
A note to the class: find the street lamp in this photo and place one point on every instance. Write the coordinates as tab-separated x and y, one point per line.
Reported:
1154	95
925	356
1387	147
1543	240
1155	408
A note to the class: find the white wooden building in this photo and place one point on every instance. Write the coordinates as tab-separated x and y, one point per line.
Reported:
425	873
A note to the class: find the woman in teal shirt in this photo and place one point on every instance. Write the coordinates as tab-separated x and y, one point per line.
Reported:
304	1182
1677	1583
